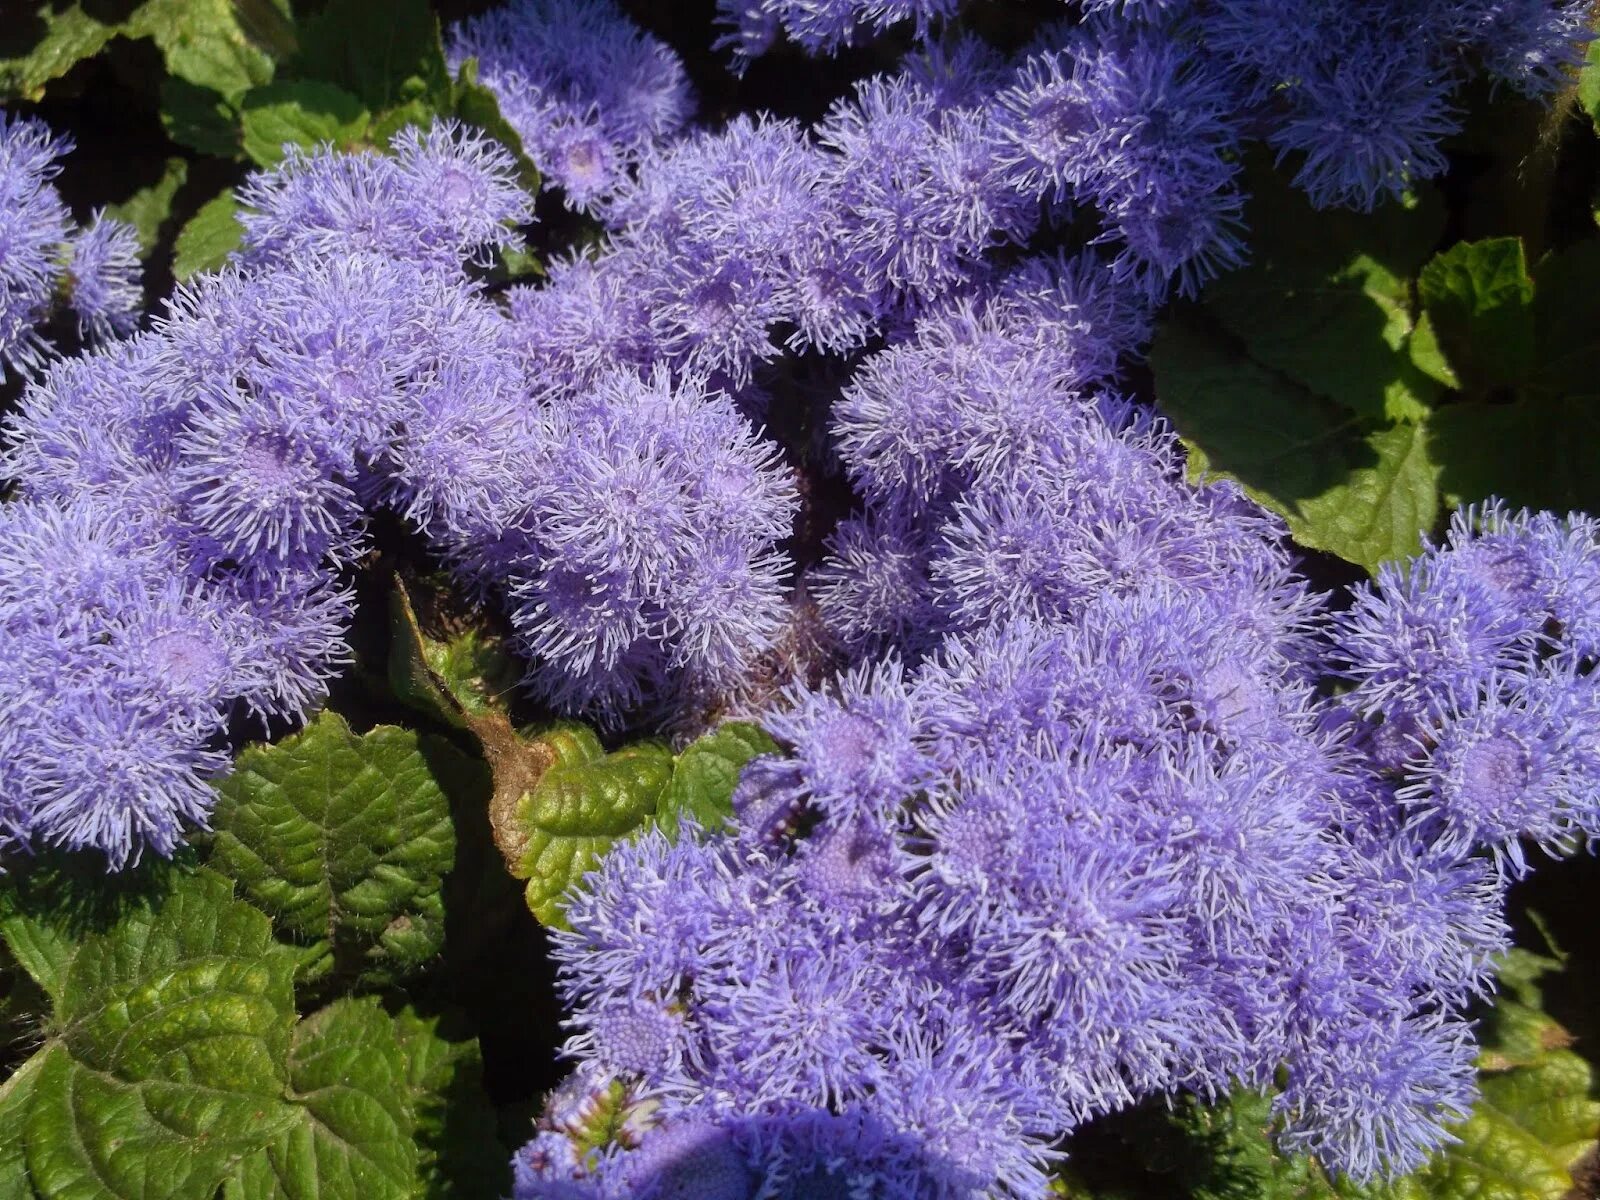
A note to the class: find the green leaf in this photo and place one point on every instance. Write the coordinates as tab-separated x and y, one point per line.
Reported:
345	840
571	743
351	1137
211	235
386	54
705	774
513	265
1564	319
391	121
148	209
1366	494
69	36
224	46
16	1098
388	1107
1535	1118
1536	452
455	681
458	1155
306	114
42	948
576	812
199	118
1589	84
1326	297
203	42
1428	357
268	25
165	1063
477	105
1479	300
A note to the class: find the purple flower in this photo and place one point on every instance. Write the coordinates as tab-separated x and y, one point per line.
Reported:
261	485
1128	120
36	227
819	26
650	548
1530	44
917	187
444	196
102	278
592	315
1515	764
873	588
1376	1095
686	1160
587	91
1368	123
857	754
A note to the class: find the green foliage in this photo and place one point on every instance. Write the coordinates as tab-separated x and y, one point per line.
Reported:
1537	1116
305	113
1299	378
1537	451
1589	84
458	1155
67	37
384	1108
1526	350
560	801
164	1064
1360	385
150	208
345	840
387	55
1363	491
704	776
577	811
211	235
457	680
476	105
1479	302
199	118
1535	1120
585	801
350	1138
173	1065
1325	300
203	42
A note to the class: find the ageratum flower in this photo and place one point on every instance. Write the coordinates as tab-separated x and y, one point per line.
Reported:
102	278
441	198
917	187
186	499
36	225
44	257
819	26
586	90
1130	121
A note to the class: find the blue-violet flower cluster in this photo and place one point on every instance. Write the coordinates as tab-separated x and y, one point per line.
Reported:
48	261
1104	803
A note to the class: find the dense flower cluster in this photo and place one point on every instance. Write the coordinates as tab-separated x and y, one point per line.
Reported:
753	26
587	92
1112	846
187	499
1360	95
1472	699
45	258
1106	803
